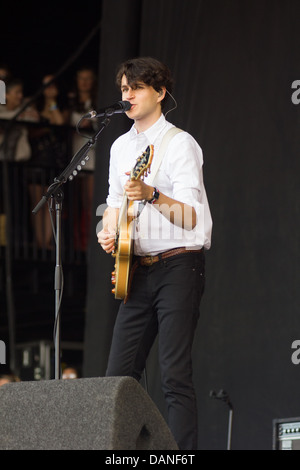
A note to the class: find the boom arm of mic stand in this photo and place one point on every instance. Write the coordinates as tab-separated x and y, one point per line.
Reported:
72	169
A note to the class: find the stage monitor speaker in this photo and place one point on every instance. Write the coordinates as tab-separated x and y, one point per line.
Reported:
286	434
109	413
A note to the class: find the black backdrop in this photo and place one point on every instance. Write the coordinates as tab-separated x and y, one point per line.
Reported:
234	63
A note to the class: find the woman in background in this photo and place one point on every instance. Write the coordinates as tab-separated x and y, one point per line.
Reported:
82	100
16	147
49	146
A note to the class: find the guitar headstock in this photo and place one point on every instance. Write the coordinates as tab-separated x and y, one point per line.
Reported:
143	163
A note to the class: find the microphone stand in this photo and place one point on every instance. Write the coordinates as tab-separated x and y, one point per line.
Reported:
55	192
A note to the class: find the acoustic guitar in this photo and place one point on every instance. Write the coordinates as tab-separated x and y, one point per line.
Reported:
123	249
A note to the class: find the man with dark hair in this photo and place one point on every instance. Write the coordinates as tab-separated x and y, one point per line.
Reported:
138	70
171	232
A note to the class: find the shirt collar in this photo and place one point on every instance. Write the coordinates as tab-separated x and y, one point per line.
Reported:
152	132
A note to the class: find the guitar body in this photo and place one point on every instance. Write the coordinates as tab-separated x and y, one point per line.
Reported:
124	240
123	257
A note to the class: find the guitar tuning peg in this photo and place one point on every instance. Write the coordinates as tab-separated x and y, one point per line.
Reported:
113	291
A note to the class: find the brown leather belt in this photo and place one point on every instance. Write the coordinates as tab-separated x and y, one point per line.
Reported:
149	260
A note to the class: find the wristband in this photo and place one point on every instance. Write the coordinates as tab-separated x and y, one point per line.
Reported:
155	196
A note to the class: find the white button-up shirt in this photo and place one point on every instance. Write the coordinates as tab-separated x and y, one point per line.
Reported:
179	177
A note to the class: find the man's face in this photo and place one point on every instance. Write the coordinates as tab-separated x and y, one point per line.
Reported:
145	101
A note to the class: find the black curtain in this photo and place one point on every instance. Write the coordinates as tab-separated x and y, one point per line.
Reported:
234	63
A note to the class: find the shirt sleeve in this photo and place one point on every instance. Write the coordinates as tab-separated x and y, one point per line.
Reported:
184	165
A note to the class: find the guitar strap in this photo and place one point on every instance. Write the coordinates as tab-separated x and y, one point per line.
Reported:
157	161
161	151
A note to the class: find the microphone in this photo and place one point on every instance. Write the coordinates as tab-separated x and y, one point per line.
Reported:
116	108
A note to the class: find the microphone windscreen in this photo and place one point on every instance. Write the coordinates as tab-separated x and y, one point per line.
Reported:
125	105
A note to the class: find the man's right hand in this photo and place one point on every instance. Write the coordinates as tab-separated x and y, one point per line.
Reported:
106	239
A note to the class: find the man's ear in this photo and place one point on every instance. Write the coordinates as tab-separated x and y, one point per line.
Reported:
162	93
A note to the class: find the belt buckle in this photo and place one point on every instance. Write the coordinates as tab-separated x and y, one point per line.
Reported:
148	260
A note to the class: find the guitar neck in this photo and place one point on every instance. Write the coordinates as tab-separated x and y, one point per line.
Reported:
141	168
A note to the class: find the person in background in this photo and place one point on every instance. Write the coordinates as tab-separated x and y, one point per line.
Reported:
16	147
70	372
8	378
50	105
82	99
49	147
5	72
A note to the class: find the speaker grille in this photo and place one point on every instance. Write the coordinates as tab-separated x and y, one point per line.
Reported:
94	413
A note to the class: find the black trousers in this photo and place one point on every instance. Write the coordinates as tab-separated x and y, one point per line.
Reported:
164	299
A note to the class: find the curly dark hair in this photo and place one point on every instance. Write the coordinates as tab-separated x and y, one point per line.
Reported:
147	70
